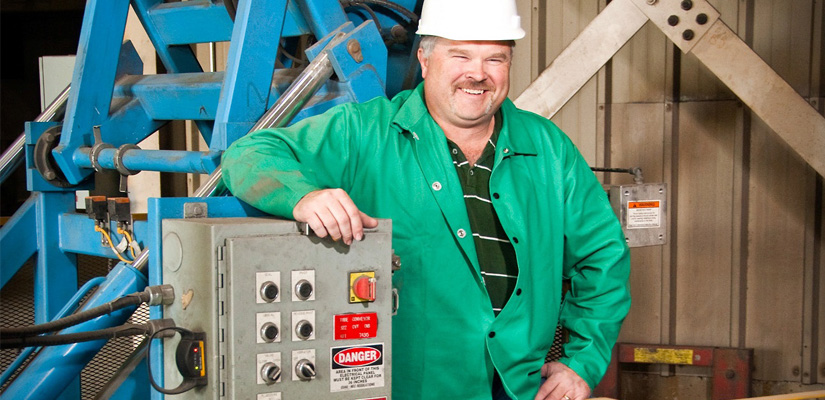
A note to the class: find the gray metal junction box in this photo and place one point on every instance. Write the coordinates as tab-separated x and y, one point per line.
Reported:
287	315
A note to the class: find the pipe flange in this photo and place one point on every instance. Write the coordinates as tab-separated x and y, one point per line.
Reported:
44	161
95	153
119	159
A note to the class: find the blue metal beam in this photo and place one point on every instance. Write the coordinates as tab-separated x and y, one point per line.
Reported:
183	22
104	22
55	277
250	64
78	235
18	239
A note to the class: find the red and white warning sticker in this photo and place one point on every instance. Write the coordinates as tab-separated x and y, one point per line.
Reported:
355	326
644	214
356	367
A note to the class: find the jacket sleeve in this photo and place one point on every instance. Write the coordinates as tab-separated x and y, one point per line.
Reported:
597	263
272	169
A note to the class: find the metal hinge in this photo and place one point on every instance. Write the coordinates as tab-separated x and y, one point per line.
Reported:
222	320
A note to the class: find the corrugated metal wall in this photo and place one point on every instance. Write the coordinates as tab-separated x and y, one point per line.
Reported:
745	266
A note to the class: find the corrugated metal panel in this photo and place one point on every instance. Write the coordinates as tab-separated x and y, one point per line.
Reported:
637	140
776	256
782	37
705	148
578	119
639	68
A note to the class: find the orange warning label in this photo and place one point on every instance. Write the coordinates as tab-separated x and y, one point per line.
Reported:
643	204
643	214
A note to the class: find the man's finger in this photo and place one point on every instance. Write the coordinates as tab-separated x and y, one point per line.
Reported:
367	221
317	226
329	222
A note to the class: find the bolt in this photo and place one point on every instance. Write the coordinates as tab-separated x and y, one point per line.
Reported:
795	371
196	209
49	175
687	4
730	374
354	49
702	19
687	34
672	20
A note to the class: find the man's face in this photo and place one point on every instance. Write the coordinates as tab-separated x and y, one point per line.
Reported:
465	82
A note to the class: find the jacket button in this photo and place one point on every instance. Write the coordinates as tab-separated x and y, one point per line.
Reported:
461	233
492	335
518	292
506	151
495	195
436	186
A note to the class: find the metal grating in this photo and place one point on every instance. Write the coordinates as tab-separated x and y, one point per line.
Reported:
16	309
17	300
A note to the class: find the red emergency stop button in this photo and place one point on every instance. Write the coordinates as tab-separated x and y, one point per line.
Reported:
362	287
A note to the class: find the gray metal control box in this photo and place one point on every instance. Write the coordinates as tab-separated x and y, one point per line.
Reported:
287	315
642	211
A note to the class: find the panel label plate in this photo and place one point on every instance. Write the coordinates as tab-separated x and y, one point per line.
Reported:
663	356
644	214
355	326
356	367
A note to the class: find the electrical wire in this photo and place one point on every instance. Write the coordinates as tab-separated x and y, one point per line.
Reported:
74	319
69	338
109	239
124	232
187	383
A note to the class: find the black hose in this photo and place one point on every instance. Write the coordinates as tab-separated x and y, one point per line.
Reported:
55	340
74	319
387	4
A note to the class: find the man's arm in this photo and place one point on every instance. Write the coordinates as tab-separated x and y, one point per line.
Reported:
302	172
597	263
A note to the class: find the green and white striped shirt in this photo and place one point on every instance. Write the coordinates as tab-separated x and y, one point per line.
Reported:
496	255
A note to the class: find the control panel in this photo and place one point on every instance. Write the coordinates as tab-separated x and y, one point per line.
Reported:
287	315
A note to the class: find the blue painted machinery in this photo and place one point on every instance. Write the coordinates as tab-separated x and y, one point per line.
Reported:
110	107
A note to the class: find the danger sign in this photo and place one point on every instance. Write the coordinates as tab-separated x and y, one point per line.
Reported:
356	367
644	214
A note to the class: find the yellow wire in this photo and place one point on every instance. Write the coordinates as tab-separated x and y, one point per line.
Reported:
129	238
109	239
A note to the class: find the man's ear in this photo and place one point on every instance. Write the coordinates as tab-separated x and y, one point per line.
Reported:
423	61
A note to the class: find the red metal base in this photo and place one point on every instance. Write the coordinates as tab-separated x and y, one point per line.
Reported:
730	368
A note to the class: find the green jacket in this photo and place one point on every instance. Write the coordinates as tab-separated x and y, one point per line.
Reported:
392	159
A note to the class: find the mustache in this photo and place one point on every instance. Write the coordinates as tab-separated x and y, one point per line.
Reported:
475	85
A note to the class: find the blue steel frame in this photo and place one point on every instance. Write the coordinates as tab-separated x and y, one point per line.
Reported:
108	91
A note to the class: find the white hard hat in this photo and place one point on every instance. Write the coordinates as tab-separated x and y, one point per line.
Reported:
471	20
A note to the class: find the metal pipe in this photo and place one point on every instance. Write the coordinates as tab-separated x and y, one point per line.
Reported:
13	156
179	161
289	104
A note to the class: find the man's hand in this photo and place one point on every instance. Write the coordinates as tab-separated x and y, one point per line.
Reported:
331	211
562	384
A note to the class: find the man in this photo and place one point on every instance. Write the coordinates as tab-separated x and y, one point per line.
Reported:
492	208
